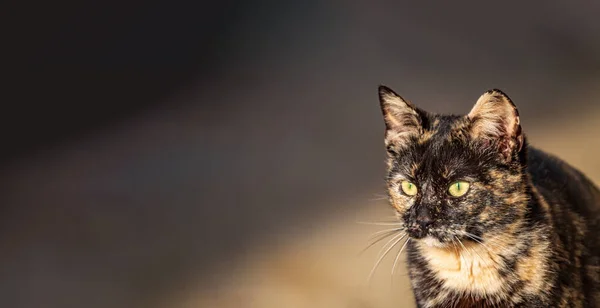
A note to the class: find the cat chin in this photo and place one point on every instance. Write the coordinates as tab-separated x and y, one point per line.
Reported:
433	242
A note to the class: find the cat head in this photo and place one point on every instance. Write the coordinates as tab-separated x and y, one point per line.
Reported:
453	176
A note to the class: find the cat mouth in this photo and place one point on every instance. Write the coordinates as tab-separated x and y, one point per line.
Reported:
418	232
429	237
433	241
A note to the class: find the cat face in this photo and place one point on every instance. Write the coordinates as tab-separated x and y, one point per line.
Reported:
453	176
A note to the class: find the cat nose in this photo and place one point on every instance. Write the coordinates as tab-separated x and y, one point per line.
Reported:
424	222
424	218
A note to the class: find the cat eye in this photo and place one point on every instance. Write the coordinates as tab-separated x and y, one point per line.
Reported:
458	189
409	188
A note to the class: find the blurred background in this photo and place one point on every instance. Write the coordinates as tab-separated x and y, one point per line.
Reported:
219	154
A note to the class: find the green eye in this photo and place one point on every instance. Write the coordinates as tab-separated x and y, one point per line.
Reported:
458	189
409	188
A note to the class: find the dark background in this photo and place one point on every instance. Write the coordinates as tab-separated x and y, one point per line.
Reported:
143	143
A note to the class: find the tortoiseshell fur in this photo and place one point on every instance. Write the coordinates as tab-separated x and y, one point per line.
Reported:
529	226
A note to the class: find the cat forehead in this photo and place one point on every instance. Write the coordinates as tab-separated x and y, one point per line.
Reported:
438	151
443	124
437	129
436	154
432	168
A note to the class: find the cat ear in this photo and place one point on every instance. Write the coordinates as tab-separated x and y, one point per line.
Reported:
495	119
401	117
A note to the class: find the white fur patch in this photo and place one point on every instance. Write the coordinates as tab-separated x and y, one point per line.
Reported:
433	242
471	271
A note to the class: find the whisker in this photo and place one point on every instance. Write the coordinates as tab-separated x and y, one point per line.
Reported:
455	247
375	223
472	236
489	251
375	234
463	246
378	198
480	257
384	247
383	256
484	245
495	239
454	239
398	257
382	237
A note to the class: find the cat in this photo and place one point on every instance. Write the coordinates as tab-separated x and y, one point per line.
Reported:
490	221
